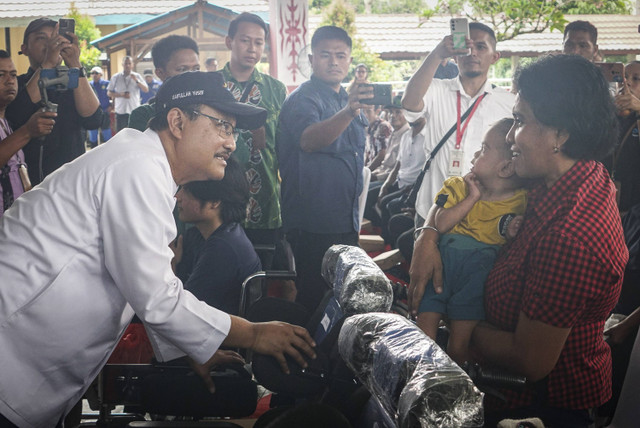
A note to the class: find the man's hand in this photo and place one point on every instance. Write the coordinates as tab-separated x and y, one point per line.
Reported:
176	247
426	265
259	138
55	45
627	101
71	51
357	93
278	338
40	123
445	49
219	358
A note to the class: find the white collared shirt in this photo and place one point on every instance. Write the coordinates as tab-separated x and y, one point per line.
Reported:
411	157
391	154
79	254
440	110
121	83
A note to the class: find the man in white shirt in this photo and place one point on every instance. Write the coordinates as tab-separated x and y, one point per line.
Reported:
89	247
124	88
379	175
442	102
411	159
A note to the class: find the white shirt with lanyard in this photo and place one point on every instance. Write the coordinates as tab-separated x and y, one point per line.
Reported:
441	112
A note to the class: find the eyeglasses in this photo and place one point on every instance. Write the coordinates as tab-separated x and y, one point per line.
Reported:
94	72
225	128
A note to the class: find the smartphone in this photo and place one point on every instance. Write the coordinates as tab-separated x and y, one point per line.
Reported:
460	32
612	71
381	94
66	26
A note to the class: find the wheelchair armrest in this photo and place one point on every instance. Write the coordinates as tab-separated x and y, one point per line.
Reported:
252	279
495	378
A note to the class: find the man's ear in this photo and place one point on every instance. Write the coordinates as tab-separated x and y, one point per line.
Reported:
160	73
23	49
176	119
496	57
227	42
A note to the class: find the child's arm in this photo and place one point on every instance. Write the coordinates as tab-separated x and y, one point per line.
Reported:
447	218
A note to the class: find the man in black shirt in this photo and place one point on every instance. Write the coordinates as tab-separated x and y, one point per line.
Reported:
77	108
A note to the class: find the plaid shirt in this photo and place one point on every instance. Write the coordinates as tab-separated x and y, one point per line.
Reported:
565	269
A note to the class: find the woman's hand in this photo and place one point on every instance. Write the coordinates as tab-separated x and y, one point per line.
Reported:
514	226
426	265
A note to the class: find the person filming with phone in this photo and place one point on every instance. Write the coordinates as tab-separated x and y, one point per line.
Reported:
320	146
446	102
78	108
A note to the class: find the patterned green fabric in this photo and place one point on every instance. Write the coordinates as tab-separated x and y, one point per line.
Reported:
261	165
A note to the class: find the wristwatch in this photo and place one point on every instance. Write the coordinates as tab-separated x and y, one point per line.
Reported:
83	72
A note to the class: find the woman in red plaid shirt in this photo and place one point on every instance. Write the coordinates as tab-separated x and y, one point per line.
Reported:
552	287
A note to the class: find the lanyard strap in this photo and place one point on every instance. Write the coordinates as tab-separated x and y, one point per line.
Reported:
460	130
247	92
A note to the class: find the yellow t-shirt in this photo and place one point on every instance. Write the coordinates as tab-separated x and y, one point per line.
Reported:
486	219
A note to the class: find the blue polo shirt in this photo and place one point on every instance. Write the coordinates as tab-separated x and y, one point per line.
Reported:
101	92
153	91
319	189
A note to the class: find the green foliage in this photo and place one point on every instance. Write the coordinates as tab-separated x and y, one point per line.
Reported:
342	15
509	18
86	31
319	5
594	7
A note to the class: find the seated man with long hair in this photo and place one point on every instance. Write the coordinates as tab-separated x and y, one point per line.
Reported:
214	257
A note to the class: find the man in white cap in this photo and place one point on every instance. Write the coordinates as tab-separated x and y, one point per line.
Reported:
89	247
99	86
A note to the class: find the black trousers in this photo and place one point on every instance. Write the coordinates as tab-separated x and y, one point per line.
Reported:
308	250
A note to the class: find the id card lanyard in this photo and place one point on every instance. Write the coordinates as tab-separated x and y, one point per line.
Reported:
456	157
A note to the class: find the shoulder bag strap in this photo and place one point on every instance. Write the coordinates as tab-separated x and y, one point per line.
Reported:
410	199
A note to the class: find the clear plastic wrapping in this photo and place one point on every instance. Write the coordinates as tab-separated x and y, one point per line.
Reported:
358	283
411	377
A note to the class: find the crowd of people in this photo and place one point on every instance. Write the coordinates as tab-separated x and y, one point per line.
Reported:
503	202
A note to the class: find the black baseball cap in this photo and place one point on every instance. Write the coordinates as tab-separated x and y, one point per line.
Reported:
37	24
396	102
208	88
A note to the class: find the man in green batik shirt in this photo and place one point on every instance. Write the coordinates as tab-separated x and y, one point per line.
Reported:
256	149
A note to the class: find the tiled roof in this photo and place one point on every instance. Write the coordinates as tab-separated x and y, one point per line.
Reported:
19	12
402	36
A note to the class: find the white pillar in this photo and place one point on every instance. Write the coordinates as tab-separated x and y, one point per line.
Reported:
289	27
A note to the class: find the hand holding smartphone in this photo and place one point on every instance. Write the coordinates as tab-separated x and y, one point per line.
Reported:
381	94
66	26
460	33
